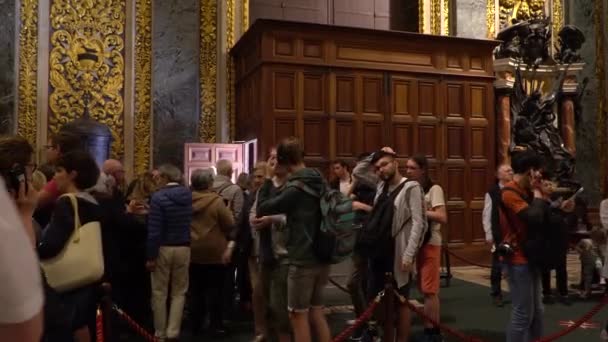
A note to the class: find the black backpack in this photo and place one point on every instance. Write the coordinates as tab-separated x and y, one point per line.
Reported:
537	246
375	238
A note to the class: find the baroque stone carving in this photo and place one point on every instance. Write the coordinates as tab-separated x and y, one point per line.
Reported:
208	70
230	71
143	75
28	61
527	40
87	47
511	11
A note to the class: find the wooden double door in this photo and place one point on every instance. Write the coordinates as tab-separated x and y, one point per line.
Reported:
342	113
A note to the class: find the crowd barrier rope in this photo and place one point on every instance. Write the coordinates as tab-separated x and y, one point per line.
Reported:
99	325
465	260
365	316
134	325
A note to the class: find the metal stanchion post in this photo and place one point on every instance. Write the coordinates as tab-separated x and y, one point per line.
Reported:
106	308
389	309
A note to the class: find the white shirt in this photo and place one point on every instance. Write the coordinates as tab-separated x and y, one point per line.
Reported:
21	295
434	198
486	215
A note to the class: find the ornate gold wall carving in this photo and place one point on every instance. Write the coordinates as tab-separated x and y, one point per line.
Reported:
28	59
602	139
436	17
421	16
491	18
208	70
143	72
92	29
558	17
230	72
245	16
519	10
446	17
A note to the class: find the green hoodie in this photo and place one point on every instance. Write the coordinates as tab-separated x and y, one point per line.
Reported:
302	211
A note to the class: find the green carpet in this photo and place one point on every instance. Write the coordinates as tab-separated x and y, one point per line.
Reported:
465	307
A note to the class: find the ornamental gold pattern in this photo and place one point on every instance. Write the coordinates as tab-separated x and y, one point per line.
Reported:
245	16
491	19
446	17
436	17
519	10
600	73
420	16
230	105
143	75
87	56
558	19
208	70
28	59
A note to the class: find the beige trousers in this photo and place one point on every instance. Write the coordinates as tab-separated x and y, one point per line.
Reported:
171	272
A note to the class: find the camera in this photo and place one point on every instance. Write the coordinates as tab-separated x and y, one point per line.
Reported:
505	249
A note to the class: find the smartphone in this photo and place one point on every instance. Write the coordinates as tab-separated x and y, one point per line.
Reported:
578	192
15	176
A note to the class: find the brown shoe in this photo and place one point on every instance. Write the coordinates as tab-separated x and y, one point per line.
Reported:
498	301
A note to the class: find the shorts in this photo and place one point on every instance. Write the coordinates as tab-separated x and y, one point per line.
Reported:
305	286
429	264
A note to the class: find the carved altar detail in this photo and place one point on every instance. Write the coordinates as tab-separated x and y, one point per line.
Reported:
143	80
87	56
28	59
511	11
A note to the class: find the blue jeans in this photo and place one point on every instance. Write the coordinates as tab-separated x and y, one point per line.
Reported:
527	314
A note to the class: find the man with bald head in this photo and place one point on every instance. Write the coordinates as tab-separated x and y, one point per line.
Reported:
114	168
491	226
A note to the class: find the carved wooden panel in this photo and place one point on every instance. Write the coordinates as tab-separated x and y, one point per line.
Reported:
345	94
372	136
284	47
455	100
284	128
373	96
284	90
426	98
312	49
478	98
476	223
479	143
478	181
456	225
314	92
401	97
315	138
455	184
455	142
403	140
345	139
427	140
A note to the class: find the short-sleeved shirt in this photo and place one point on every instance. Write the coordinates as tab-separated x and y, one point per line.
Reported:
433	199
21	295
514	230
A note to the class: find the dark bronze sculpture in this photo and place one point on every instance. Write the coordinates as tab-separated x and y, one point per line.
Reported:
527	41
535	127
571	40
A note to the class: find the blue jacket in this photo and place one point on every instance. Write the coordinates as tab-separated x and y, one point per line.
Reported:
169	219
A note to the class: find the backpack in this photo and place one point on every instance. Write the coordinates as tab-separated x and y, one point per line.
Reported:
335	239
375	239
537	247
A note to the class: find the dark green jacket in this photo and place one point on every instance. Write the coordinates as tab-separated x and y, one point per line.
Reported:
301	209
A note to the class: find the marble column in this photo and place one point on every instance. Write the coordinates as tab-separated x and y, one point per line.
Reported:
7	66
175	53
568	126
503	124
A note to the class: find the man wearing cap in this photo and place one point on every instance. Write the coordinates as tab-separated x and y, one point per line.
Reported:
408	228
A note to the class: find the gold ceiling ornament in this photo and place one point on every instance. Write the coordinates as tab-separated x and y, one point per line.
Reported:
436	17
230	92
515	10
143	80
600	73
420	16
446	17
87	56
28	61
491	19
245	16
208	70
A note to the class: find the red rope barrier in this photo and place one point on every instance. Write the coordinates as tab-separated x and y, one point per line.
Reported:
365	316
470	262
136	327
577	323
99	325
445	328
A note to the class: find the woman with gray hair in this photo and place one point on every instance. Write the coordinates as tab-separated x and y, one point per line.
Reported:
212	222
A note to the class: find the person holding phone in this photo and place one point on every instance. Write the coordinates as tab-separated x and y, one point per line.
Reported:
21	290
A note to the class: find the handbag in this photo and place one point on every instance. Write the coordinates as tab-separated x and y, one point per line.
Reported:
80	263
